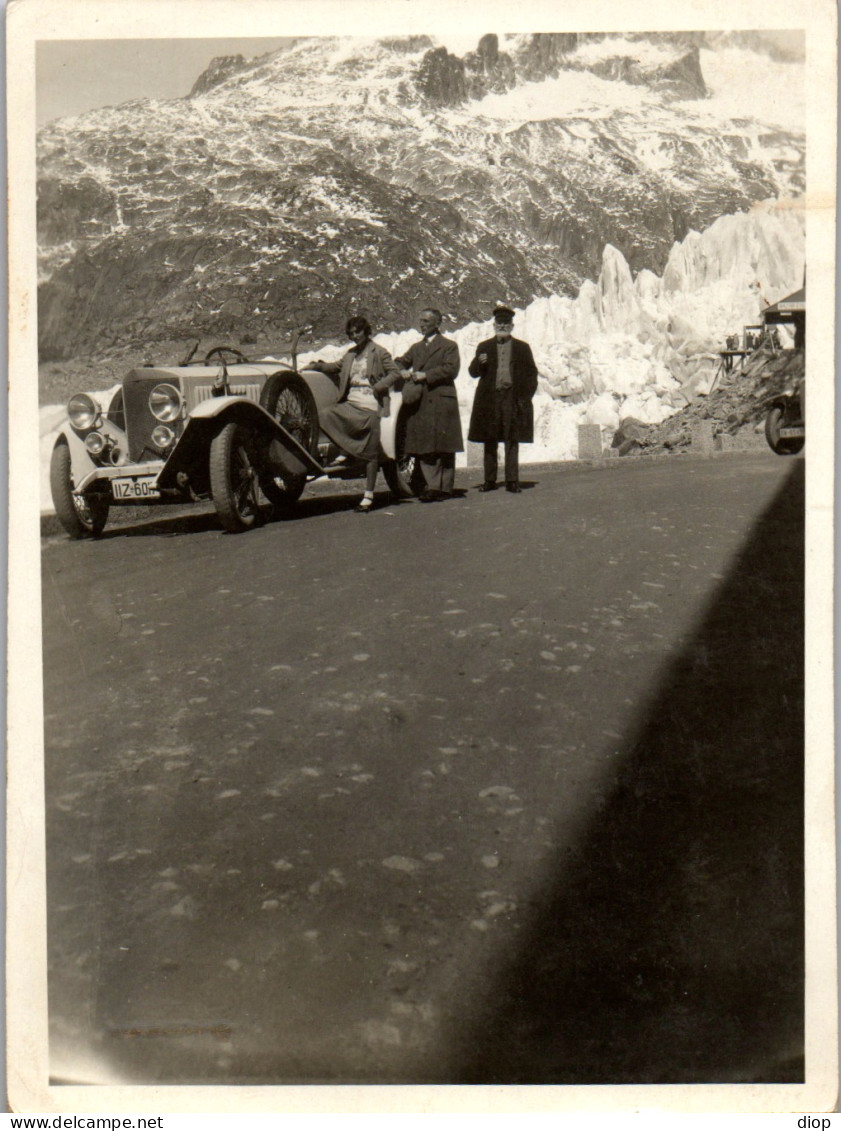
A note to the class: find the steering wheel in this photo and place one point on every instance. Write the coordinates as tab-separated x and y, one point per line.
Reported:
221	350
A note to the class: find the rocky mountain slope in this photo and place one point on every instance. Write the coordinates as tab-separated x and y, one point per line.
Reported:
337	175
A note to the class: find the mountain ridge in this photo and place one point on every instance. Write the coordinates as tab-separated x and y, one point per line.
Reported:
291	190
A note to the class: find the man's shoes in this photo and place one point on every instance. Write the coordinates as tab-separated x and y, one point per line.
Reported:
487	487
514	488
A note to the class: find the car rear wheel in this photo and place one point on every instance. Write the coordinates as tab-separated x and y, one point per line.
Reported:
80	517
782	446
403	474
288	398
233	478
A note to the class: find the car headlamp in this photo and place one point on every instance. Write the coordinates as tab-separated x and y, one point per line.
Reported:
162	436
95	443
83	411
165	402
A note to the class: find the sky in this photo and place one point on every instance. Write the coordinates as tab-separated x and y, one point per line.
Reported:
74	76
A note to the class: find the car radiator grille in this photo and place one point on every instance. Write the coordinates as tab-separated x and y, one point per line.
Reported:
139	420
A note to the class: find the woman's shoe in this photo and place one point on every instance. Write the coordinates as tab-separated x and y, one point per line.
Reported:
364	507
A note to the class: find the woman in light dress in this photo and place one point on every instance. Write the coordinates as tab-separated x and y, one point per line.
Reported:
366	374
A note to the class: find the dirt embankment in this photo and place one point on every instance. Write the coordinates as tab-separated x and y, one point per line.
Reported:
737	404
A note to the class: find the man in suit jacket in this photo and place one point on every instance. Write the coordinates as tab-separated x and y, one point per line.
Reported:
433	426
502	408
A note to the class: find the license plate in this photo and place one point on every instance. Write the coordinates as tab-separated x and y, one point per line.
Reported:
135	488
792	433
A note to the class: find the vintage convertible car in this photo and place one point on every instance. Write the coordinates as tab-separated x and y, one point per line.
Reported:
238	432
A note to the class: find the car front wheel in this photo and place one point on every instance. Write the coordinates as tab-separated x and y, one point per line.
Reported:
80	517
782	446
233	478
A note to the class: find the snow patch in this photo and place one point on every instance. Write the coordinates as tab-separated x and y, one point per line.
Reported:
642	51
734	76
571	94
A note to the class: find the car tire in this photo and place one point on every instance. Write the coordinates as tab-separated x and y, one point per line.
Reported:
287	397
233	478
81	518
403	474
773	423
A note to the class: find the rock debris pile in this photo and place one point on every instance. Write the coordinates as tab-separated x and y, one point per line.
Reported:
736	406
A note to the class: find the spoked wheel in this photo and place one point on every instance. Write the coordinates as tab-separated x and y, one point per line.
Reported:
80	517
403	475
288	398
233	478
782	446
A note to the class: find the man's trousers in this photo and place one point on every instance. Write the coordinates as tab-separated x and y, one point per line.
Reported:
512	461
439	471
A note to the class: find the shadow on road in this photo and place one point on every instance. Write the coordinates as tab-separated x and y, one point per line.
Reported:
144	522
670	948
164	527
157	522
169	521
312	506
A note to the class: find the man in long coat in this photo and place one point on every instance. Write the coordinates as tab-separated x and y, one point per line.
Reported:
433	426
502	408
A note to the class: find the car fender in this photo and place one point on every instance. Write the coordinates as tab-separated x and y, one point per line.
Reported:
388	425
211	415
783	400
81	463
215	407
324	388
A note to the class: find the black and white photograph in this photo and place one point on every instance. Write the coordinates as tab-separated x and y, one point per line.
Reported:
420	609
